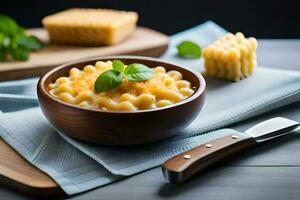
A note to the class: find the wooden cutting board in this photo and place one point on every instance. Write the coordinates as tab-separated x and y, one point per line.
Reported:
20	175
144	42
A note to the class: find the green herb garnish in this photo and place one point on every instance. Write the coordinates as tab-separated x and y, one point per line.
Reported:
138	72
189	49
15	41
113	78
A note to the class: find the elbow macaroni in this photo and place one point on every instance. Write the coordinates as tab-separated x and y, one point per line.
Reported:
164	89
231	57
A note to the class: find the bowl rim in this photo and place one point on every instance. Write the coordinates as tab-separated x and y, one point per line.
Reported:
199	91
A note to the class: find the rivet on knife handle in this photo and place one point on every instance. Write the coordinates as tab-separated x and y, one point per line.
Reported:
183	166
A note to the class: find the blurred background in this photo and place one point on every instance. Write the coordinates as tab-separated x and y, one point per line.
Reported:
259	18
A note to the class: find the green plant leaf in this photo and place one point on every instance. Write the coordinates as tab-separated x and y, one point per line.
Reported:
113	78
107	81
19	53
8	26
15	41
30	42
118	65
138	72
189	49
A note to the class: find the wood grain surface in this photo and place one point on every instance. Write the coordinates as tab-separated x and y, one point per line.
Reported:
269	171
17	173
144	42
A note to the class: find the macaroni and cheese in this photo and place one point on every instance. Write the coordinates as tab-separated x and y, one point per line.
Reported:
165	88
231	57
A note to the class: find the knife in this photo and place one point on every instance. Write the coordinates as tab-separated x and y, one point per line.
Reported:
183	166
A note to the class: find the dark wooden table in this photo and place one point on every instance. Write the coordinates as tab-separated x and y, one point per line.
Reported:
270	171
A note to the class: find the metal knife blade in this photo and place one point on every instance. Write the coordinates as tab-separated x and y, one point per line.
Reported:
272	128
183	166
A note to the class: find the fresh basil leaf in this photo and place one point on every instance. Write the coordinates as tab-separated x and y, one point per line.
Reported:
19	53
8	26
14	41
107	81
189	49
118	65
2	54
138	72
30	42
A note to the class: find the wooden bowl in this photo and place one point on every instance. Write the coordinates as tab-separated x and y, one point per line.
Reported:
120	127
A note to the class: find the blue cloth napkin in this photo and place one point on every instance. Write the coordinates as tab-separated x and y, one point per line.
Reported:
79	166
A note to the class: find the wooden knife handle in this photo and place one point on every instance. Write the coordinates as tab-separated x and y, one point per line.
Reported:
183	166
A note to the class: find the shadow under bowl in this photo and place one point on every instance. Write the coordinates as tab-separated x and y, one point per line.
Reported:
120	127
